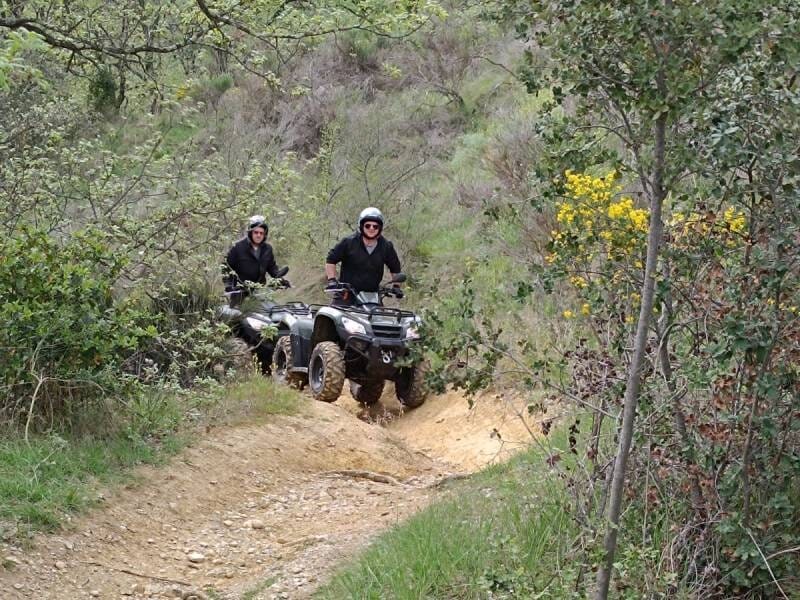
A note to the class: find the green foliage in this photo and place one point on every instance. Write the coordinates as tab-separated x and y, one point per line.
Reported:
12	63
719	380
211	90
61	331
360	47
103	91
145	36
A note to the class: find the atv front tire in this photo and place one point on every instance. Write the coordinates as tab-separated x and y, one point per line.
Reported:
410	386
367	393
326	371
282	362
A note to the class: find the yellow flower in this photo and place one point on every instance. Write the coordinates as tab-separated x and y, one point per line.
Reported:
629	319
568	314
586	310
638	217
578	281
734	219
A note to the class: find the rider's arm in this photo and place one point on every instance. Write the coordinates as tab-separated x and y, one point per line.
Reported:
272	266
335	256
330	271
392	260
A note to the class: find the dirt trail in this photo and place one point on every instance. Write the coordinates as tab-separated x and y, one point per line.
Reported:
267	511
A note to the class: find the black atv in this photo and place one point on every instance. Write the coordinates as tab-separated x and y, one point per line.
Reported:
363	342
252	314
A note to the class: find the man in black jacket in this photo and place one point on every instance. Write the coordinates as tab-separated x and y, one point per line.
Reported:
251	258
363	255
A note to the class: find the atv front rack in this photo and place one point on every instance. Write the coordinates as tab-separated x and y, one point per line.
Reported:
383	311
377	311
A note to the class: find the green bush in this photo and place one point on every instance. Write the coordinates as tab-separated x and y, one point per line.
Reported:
61	332
103	91
189	341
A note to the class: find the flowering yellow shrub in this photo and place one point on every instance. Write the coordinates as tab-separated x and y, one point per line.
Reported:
592	214
600	242
731	223
600	236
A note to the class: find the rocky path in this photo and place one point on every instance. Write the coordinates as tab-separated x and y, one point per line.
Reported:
263	512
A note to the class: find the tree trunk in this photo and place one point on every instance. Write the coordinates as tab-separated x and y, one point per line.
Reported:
635	369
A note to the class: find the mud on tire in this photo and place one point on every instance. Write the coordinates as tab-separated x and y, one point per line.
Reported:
367	393
326	371
410	386
282	361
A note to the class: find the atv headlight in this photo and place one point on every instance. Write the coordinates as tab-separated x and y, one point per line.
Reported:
412	333
256	324
352	326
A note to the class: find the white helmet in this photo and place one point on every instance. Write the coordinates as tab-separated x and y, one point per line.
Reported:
370	214
257	221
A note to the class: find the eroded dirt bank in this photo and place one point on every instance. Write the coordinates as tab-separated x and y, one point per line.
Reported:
265	511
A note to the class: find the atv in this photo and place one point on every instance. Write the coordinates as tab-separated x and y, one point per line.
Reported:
365	342
252	314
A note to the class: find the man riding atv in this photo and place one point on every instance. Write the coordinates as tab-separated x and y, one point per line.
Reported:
246	266
249	260
363	256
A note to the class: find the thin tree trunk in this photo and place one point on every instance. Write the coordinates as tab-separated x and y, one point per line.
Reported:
634	380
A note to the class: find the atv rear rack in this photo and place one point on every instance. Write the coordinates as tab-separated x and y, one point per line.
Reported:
294	308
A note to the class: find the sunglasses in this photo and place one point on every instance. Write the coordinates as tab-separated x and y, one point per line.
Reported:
371	226
257	232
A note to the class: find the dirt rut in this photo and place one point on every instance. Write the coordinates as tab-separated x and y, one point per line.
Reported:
266	511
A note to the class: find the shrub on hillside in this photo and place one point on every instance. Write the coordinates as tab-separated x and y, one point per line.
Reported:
61	331
70	344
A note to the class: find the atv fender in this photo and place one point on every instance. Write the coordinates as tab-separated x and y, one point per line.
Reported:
326	324
300	334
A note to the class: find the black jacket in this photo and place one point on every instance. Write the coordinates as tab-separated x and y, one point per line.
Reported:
361	269
250	265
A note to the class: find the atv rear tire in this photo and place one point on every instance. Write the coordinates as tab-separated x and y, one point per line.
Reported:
326	371
410	386
367	393
282	362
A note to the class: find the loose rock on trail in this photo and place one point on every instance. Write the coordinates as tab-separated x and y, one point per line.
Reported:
266	511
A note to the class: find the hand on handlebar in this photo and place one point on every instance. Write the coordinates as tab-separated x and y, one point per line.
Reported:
333	284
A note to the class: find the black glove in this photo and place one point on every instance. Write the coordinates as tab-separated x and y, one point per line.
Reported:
333	284
398	292
284	282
